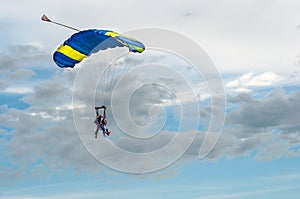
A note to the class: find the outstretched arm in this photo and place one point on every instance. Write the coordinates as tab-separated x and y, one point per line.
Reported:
104	112
97	112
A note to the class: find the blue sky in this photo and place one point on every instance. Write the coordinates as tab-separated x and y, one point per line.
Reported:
161	107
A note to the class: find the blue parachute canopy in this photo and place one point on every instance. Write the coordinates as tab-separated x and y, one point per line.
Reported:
82	44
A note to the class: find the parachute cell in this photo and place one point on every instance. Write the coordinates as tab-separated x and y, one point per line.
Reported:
84	43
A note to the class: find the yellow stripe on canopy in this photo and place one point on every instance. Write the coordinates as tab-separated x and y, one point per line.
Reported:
137	48
70	52
115	34
112	34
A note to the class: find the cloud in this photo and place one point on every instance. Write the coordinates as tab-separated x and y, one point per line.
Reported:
250	81
44	133
231	43
3	85
267	125
49	93
22	57
34	136
21	74
275	109
18	90
18	66
49	122
188	14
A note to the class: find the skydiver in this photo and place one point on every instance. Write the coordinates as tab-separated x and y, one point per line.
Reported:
100	121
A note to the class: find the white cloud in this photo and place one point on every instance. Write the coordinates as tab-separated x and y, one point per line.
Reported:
265	79
250	81
18	90
45	115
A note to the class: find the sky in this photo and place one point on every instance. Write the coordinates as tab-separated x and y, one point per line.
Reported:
209	110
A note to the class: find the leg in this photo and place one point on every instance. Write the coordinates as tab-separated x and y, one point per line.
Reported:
96	132
103	129
107	132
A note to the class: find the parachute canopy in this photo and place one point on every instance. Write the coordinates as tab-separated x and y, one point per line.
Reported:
82	44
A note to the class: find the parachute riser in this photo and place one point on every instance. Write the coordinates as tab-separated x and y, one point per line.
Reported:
65	26
45	18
